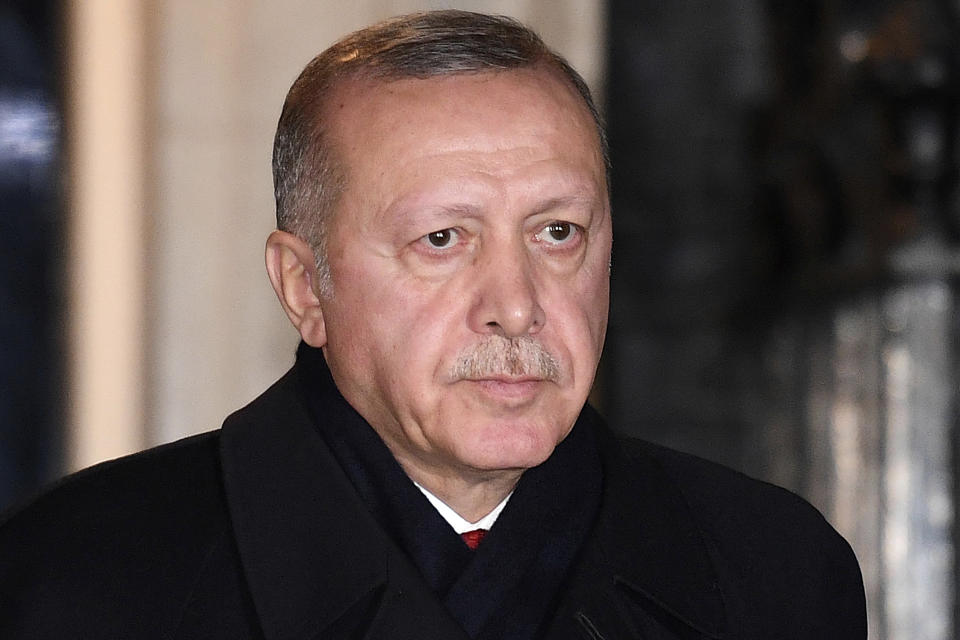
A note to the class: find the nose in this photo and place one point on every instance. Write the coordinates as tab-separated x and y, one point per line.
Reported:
506	301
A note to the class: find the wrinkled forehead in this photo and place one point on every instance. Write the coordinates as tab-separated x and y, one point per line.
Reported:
364	116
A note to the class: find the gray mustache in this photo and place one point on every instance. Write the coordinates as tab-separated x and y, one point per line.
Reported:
515	357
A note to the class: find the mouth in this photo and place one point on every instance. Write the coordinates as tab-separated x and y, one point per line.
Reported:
508	388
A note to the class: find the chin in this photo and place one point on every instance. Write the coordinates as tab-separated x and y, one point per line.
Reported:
509	446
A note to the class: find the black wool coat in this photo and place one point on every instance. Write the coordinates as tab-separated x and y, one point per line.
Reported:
253	531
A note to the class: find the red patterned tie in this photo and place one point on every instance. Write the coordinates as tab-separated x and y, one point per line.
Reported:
473	538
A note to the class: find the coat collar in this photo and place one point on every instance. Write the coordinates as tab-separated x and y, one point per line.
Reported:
312	555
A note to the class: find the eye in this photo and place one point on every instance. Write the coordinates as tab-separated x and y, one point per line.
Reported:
558	233
442	239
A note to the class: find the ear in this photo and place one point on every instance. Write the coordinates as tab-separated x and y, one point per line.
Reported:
292	271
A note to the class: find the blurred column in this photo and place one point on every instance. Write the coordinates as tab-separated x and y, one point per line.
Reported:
105	142
918	554
913	57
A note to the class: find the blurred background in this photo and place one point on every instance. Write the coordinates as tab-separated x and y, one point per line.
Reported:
786	205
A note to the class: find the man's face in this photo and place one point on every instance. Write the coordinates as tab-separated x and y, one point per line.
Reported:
469	261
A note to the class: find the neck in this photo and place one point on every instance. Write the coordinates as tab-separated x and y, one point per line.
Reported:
470	497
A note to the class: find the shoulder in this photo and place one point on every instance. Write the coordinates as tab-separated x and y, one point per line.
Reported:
98	540
774	549
721	493
725	500
178	475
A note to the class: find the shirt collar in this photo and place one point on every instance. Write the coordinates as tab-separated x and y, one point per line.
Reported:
455	520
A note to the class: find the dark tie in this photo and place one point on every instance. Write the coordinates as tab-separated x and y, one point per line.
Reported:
473	538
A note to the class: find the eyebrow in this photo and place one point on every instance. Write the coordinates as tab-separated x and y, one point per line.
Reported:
456	210
442	212
474	212
562	202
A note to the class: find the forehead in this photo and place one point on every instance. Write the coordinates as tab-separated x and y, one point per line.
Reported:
374	123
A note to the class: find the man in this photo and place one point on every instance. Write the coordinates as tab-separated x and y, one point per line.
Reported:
443	250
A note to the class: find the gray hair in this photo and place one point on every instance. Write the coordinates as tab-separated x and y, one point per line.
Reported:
307	178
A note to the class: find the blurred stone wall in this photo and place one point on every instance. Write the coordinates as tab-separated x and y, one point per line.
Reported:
786	207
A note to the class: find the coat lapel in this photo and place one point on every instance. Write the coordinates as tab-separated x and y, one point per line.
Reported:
316	562
646	570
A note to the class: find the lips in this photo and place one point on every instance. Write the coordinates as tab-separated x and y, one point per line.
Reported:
508	389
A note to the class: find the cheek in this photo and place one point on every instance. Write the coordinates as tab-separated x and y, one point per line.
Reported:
581	320
599	312
594	297
582	309
362	319
434	327
417	329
